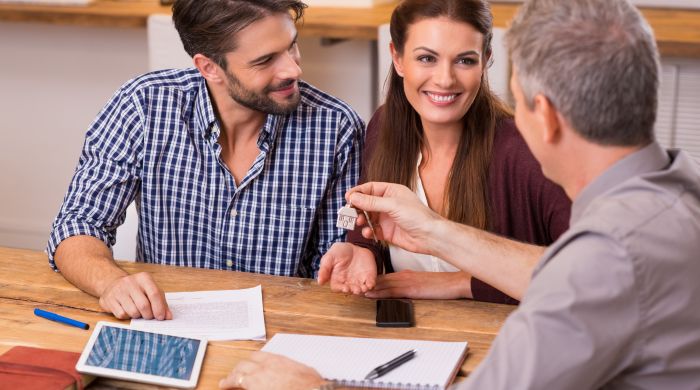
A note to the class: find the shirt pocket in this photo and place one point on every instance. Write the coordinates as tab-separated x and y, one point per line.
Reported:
293	220
278	238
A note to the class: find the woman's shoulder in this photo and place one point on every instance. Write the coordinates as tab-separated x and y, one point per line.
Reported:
509	146
539	206
372	133
507	135
375	122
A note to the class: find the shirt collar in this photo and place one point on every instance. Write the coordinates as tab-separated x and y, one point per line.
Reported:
204	111
273	126
207	123
648	159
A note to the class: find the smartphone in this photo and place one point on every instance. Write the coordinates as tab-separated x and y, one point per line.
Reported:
395	313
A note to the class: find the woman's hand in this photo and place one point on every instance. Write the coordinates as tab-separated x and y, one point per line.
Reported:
422	285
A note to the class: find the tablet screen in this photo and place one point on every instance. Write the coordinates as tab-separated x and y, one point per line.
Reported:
143	352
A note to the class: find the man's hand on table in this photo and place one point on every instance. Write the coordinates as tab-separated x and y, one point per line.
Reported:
135	296
263	371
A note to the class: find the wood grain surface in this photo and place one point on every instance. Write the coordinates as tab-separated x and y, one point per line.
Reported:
291	305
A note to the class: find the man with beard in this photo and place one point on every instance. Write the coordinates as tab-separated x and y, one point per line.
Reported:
235	164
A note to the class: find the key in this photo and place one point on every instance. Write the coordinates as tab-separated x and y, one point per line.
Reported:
347	216
369	223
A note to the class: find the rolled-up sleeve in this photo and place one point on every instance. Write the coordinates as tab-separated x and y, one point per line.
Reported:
106	179
574	327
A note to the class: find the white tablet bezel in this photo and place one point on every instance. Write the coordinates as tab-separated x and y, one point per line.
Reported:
137	377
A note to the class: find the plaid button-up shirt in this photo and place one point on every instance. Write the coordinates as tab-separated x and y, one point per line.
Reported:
156	142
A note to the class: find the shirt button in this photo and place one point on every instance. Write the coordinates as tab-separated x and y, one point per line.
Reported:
234	213
229	263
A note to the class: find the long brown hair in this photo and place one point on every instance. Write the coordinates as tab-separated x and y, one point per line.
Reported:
401	132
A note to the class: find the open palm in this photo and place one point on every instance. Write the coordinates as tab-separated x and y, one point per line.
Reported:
349	268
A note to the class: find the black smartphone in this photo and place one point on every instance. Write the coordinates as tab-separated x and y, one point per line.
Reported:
395	313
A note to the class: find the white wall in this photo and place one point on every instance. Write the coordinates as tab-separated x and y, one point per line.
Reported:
55	79
343	69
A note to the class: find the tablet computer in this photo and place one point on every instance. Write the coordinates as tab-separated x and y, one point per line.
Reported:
117	351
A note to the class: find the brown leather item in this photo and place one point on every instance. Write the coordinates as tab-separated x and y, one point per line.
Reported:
36	368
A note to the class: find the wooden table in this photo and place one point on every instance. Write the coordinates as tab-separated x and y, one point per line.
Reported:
292	305
677	31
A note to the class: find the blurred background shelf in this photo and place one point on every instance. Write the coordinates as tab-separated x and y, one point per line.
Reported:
684	4
677	30
48	2
346	3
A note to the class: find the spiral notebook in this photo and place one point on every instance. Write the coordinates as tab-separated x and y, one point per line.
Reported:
347	360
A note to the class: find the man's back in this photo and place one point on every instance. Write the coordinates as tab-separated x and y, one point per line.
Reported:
614	302
656	220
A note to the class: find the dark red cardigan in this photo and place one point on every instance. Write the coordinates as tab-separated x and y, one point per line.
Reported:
524	205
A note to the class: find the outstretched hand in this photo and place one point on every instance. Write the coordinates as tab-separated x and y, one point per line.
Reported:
348	268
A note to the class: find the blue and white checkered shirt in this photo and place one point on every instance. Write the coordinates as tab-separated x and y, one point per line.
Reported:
156	142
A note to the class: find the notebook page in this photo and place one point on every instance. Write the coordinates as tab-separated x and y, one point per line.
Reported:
351	359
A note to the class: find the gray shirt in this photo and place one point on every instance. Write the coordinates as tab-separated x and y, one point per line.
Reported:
615	302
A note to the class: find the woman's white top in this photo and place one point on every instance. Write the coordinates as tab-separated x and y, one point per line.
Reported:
403	260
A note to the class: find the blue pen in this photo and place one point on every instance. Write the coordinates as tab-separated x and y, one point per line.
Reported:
61	319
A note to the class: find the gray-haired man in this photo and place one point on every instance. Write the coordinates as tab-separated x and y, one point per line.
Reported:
614	302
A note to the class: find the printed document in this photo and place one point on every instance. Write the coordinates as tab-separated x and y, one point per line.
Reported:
215	315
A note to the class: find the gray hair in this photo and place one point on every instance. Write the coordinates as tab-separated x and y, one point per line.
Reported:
597	63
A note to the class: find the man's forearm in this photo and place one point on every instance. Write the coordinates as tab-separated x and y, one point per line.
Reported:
503	263
87	263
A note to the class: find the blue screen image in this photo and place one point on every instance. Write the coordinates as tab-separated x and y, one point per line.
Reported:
144	352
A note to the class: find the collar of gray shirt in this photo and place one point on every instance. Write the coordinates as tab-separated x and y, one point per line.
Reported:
648	159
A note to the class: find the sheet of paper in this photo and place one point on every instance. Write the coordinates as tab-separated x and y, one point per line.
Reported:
216	315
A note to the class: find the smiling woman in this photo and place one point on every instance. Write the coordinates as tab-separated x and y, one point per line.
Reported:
440	52
444	134
441	78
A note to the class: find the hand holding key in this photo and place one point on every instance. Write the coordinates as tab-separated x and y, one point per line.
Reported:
399	216
403	220
347	219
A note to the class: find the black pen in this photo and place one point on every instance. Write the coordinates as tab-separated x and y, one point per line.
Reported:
390	365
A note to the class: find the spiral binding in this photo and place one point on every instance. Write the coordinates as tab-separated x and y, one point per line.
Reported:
367	384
